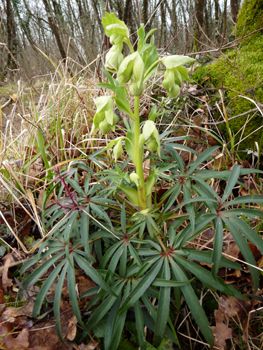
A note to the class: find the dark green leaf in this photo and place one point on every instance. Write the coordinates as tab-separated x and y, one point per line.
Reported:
251	235
233	178
255	198
193	303
92	273
45	288
218	246
57	299
141	287
163	306
123	218
245	250
203	157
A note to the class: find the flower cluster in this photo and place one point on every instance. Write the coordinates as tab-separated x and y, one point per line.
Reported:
105	119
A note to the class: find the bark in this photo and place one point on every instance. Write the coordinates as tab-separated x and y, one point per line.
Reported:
199	9
234	4
216	11
145	14
11	35
55	29
126	14
120	9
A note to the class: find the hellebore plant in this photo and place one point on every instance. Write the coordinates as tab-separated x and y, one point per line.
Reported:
135	69
143	250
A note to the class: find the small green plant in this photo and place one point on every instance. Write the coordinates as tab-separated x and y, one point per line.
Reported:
143	250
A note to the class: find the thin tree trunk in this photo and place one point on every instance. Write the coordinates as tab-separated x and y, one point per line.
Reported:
234	4
55	30
11	35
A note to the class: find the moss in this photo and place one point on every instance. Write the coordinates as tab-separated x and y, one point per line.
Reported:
250	17
241	73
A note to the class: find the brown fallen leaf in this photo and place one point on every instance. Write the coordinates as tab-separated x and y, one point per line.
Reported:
11	313
72	326
91	346
8	342
6	282
221	331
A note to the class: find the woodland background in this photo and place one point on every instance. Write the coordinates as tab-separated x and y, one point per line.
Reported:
72	29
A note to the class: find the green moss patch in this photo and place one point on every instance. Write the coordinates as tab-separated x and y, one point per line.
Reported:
240	72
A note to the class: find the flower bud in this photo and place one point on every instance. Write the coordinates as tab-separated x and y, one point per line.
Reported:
132	67
175	73
114	58
115	29
105	119
105	127
152	145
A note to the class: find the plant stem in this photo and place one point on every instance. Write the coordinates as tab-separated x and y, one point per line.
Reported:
139	155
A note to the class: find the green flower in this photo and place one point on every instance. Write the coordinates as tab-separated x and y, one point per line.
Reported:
132	67
105	119
114	58
175	73
149	132
115	29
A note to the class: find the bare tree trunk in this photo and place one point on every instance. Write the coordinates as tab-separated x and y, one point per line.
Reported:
55	30
199	8
11	38
145	14
234	9
126	14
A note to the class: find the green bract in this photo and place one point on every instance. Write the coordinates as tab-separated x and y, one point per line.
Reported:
150	132
105	119
115	29
176	60
132	66
114	58
175	73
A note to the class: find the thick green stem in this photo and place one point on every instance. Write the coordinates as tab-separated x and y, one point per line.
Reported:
139	155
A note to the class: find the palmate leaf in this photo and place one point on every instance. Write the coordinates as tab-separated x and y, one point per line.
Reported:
245	250
163	306
193	303
141	287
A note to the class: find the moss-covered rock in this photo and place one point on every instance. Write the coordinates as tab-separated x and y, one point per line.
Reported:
240	71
